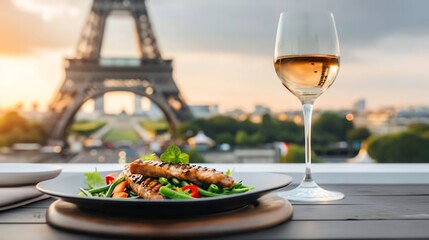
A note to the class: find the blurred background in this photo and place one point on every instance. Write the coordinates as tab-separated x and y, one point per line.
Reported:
110	80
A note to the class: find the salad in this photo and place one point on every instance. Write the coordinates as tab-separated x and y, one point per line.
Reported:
168	177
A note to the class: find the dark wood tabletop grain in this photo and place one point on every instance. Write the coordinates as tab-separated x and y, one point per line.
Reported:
367	212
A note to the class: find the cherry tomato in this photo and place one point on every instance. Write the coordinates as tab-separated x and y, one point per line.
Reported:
109	179
193	190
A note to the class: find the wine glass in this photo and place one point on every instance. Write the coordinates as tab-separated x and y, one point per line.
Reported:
306	59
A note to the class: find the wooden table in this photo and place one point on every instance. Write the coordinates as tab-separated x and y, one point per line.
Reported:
369	211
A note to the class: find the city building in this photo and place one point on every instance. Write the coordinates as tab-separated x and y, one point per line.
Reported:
387	120
138	108
204	111
294	116
237	113
411	115
99	105
359	106
149	110
258	112
261	110
377	122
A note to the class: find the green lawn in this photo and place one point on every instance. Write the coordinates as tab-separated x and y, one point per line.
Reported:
121	134
154	126
87	128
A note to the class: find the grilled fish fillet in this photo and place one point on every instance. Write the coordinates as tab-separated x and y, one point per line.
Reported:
196	174
145	187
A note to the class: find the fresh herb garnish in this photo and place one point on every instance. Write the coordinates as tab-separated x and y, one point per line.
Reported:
229	172
93	179
174	155
148	157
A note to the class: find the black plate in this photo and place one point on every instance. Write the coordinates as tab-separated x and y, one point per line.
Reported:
67	189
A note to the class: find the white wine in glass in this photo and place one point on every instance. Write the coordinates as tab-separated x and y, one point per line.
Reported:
307	61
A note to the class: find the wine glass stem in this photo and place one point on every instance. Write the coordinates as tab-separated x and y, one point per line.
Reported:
307	110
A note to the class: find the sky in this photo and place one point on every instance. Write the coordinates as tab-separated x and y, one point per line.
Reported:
223	50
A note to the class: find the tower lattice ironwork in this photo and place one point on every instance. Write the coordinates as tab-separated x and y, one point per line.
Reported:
89	76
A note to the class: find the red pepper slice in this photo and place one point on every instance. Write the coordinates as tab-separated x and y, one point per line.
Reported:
109	179
193	190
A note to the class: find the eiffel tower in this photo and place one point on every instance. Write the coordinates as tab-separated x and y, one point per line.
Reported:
89	76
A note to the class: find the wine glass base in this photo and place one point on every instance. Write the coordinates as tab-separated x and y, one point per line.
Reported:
309	191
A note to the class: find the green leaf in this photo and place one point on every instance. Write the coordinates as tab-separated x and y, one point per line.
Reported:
93	179
148	157
167	157
229	172
183	158
173	150
174	155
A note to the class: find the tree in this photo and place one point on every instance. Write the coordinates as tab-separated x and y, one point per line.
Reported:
288	131
212	127
255	139
225	138
296	154
219	124
248	126
241	138
330	127
188	129
12	119
403	147
16	129
418	127
268	128
195	156
358	134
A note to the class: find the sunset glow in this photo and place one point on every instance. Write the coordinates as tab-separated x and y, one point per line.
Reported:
224	62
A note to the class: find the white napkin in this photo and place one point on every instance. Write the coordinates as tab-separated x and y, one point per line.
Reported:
12	197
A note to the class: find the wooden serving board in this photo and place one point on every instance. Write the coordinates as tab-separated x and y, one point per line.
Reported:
269	211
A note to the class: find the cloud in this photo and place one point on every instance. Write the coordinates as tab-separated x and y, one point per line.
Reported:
230	79
247	26
223	49
240	26
23	33
48	9
392	71
393	57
